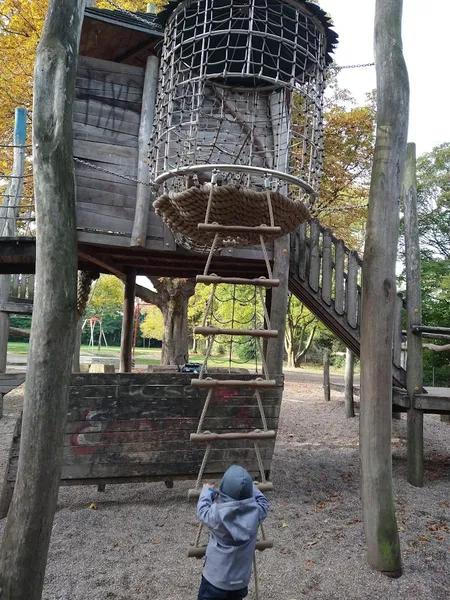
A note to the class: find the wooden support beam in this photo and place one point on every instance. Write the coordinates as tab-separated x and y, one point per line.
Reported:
261	333
215	437
254	384
228	229
258	282
425	329
144	193
278	310
16	308
105	266
414	365
326	375
4	321
26	537
126	345
379	292
200	551
348	382
267	486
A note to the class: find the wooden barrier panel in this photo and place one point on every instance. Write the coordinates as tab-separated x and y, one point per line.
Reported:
136	427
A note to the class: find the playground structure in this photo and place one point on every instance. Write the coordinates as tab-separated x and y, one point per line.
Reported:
119	232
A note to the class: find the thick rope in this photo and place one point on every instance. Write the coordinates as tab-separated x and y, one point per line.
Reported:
261	410
204	411
228	205
270	207
266	256
203	466
266	313
198	536
263	359
85	279
209	305
255	574
204	368
211	253
260	462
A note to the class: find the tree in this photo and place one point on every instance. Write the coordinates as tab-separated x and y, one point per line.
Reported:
349	137
106	297
28	528
433	197
301	326
153	323
171	296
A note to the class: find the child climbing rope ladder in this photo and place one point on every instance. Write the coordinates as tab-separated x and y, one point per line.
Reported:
233	521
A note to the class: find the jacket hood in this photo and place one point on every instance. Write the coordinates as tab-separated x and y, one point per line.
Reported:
239	519
236	484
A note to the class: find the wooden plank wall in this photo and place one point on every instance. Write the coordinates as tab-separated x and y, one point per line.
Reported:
126	426
106	121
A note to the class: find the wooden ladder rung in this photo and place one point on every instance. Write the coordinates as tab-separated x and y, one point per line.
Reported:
216	228
259	282
267	486
253	383
200	551
262	333
235	435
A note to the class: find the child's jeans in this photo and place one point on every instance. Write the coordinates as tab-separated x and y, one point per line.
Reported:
209	592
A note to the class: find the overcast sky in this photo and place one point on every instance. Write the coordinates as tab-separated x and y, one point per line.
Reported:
425	41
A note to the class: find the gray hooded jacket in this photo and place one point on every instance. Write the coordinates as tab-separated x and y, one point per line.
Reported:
233	522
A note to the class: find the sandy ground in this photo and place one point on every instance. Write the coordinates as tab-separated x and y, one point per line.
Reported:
133	546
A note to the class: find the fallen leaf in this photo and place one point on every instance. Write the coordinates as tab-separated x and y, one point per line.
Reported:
424	538
92	506
284	524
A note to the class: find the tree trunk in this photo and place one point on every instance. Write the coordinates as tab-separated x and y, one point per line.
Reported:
28	528
379	292
175	342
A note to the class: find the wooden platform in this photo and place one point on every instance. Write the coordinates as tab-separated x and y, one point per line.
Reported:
124	428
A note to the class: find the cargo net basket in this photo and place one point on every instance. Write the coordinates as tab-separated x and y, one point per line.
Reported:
226	213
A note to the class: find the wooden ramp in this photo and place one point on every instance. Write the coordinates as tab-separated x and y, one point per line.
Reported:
326	276
125	428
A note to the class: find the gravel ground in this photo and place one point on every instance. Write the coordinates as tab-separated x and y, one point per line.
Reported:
134	544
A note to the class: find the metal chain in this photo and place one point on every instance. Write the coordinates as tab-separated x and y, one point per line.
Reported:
97	168
360	66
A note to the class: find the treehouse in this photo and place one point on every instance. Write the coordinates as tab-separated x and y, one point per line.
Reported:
222	92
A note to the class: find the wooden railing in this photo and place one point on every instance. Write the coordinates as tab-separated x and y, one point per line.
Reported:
327	277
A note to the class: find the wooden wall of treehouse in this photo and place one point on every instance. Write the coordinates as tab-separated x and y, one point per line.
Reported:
122	428
107	114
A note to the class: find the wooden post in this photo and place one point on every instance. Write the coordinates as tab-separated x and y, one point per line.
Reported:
27	533
143	197
275	347
10	208
379	292
349	372
326	375
8	220
414	363
127	322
